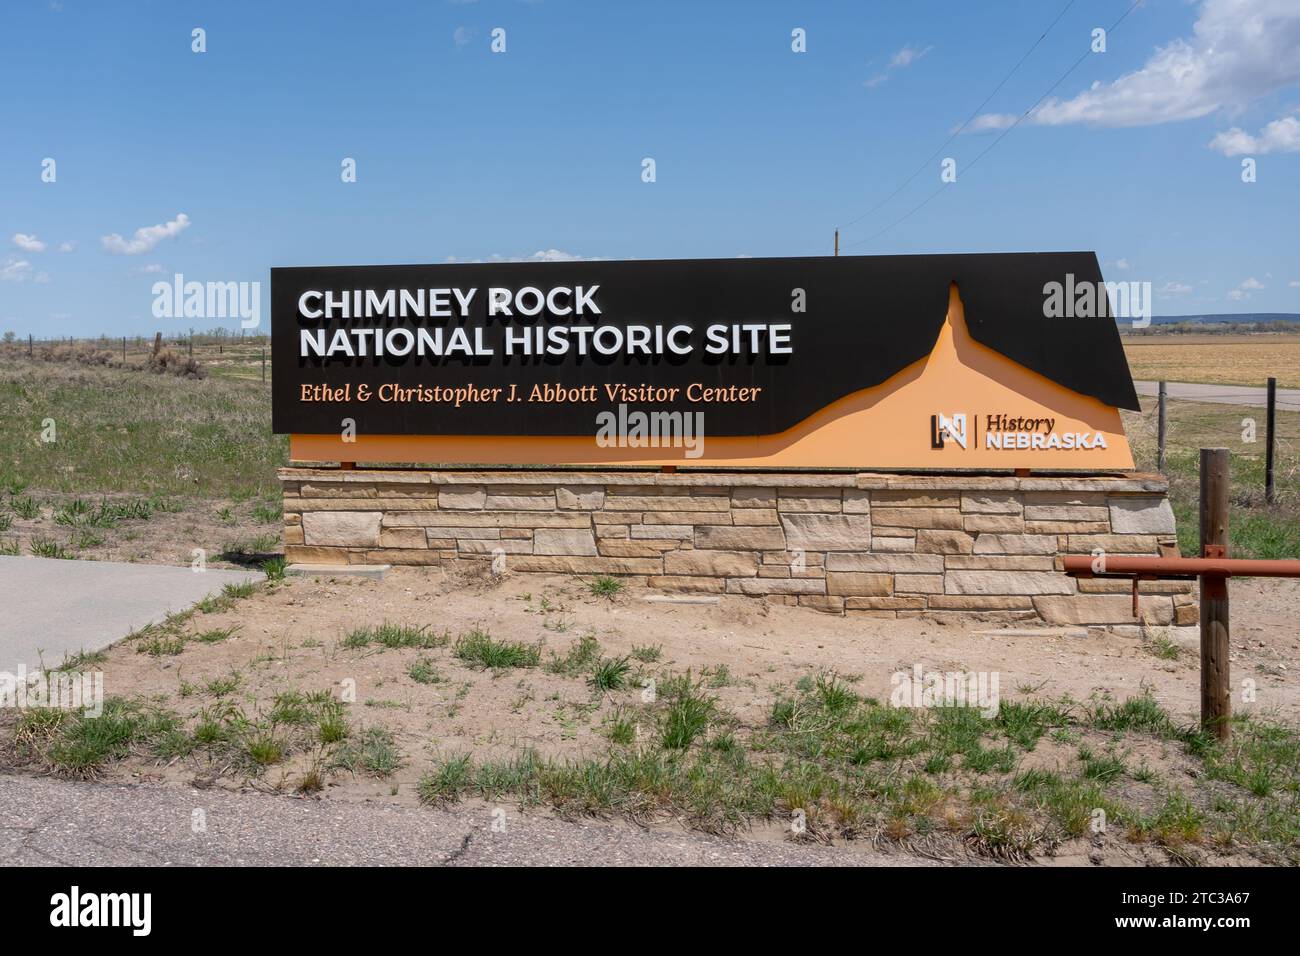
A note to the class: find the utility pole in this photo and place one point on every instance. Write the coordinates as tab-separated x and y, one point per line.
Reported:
837	242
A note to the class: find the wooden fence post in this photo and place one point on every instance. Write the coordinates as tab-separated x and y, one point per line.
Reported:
1160	453
1270	421
1216	699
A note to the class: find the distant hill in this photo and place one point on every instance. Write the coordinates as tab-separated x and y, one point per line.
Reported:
1235	317
1221	323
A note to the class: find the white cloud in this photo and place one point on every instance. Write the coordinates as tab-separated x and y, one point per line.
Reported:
1294	284
1122	264
1172	288
1244	290
15	270
899	61
1279	136
555	255
28	243
146	237
1239	51
907	56
67	246
541	255
462	36
152	268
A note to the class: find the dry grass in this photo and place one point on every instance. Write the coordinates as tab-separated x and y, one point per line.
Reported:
1216	359
124	432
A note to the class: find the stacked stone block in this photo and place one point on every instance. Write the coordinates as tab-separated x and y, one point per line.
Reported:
876	544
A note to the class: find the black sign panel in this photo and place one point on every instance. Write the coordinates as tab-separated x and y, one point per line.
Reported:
539	348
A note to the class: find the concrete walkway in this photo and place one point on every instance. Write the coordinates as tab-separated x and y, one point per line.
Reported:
1287	398
47	822
51	608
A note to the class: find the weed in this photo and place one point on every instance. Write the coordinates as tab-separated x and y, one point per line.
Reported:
647	653
606	587
392	635
478	649
274	568
423	671
44	547
610	674
373	751
581	656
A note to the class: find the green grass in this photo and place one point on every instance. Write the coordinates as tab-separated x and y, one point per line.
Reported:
223	686
478	649
1160	645
1104	767
274	568
392	635
75	744
689	713
448	780
579	659
25	507
161	645
424	671
647	653
852	766
122	431
263	748
610	674
373	751
43	547
606	587
82	661
268	512
215	635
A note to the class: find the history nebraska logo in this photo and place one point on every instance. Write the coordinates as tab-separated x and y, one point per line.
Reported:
948	427
1009	432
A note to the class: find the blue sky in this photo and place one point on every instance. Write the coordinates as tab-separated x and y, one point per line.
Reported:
464	153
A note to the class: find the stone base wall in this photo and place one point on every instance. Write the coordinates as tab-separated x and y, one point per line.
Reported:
879	544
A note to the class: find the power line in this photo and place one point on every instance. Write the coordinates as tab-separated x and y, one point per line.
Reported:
1001	136
972	116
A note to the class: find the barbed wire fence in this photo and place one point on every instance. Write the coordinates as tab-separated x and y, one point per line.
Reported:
1228	422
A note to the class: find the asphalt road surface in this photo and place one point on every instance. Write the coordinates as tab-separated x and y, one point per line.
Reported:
1288	398
47	822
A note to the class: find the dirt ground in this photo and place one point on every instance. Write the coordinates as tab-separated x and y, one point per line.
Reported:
230	532
289	637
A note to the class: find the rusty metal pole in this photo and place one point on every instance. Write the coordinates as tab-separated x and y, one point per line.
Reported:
1216	700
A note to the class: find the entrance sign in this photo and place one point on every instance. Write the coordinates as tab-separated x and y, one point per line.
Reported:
943	362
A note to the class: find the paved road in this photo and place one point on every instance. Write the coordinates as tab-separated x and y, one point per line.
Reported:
45	822
52	608
1222	394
